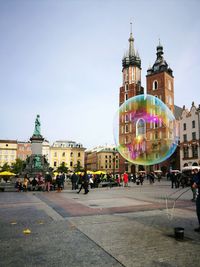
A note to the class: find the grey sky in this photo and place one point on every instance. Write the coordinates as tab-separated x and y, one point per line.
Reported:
62	60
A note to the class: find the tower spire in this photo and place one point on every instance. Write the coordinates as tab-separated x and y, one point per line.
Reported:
131	41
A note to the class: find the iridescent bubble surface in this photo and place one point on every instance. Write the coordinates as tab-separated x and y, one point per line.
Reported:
145	130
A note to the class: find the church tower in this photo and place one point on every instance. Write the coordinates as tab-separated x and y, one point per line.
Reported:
131	86
160	80
131	73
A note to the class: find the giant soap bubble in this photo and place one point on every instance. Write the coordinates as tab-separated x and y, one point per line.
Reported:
145	130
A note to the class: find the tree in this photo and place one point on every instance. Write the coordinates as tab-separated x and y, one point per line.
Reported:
5	167
62	168
78	167
18	166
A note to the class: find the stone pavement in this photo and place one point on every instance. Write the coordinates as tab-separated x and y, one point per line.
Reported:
108	227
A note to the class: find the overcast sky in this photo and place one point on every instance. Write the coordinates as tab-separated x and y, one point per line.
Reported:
62	60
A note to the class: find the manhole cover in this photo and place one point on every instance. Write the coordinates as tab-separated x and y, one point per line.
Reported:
93	205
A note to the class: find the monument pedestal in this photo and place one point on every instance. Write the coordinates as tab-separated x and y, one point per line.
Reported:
36	163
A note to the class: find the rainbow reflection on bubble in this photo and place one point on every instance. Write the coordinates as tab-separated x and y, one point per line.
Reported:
145	130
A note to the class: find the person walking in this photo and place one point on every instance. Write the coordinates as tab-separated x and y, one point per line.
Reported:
84	183
196	185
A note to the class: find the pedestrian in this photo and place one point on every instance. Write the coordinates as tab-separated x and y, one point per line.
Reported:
84	183
173	178
74	180
34	183
196	185
59	183
25	183
125	179
192	181
62	178
48	181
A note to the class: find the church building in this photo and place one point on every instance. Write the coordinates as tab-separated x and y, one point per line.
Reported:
159	83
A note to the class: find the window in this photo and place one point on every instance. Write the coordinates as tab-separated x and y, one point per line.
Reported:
126	118
79	154
169	85
184	126
126	87
55	164
71	163
140	127
155	85
106	156
106	166
63	154
193	124
132	74
126	128
125	96
194	151
193	136
110	166
185	152
185	138
106	161
71	154
55	154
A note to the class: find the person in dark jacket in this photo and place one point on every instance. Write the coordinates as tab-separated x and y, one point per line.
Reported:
84	183
196	185
74	180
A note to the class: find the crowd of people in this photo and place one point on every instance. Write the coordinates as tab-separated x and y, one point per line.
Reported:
41	183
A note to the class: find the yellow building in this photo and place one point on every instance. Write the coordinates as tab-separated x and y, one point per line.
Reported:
104	158
8	151
68	152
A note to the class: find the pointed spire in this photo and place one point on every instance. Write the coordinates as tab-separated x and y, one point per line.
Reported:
131	41
159	49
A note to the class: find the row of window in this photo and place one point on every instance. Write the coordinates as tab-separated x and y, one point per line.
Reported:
193	137
7	152
194	151
7	158
185	126
55	164
64	154
155	85
106	166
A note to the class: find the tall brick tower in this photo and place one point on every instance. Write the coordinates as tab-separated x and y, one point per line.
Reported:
160	83
131	86
160	80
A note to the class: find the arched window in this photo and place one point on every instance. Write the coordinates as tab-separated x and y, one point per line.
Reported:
140	127
169	85
155	85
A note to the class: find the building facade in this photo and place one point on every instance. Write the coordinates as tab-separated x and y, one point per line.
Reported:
23	150
8	151
68	152
190	137
103	158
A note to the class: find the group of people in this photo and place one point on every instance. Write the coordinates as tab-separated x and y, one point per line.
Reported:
41	183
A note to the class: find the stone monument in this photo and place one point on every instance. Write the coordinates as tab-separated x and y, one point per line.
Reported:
36	163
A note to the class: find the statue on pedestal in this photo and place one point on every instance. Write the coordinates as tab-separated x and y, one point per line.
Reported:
37	126
37	162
